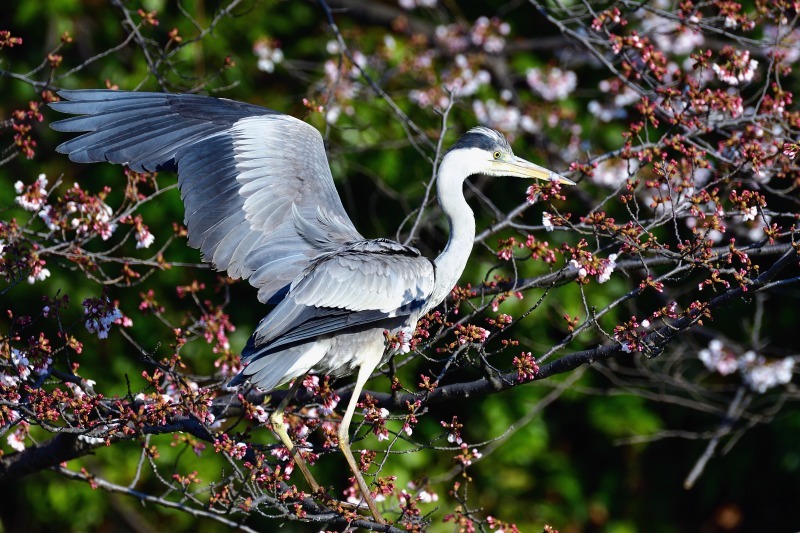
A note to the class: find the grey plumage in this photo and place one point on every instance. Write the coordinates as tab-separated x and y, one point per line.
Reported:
243	186
262	208
261	205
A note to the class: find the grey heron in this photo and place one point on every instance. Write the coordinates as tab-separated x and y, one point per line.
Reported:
261	204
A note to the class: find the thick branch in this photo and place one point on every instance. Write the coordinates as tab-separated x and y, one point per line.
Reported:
68	446
62	447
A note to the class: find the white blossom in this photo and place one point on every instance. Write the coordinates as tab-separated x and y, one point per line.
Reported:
38	274
737	74
503	117
412	4
7	380
608	269
46	214
552	84
761	375
144	238
427	497
261	414
36	198
20	361
750	214
17	440
453	438
268	53
716	358
547	221
614	172
581	270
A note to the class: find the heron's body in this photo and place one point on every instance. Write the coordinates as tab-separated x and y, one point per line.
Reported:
261	205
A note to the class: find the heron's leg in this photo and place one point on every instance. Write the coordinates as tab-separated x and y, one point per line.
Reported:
344	439
280	430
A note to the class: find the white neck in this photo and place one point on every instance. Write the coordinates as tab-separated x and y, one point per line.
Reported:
450	190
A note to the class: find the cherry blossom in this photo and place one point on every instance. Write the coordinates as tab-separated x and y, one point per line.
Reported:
489	34
32	197
413	4
269	54
503	117
677	120
552	84
547	221
607	268
100	314
762	375
739	68
718	359
17	438
38	272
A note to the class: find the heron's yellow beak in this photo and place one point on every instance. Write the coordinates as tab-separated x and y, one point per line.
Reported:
520	168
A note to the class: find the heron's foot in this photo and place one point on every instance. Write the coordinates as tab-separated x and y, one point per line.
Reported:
343	507
346	508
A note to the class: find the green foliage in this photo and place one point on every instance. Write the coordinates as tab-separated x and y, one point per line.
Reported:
571	461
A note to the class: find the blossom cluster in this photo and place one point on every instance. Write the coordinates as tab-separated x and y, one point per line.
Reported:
31	197
269	54
552	84
20	368
400	341
412	4
757	372
100	314
738	68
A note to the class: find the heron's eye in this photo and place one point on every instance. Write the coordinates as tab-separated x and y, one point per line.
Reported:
496	155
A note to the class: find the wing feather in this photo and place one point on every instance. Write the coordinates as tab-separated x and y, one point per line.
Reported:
364	282
244	172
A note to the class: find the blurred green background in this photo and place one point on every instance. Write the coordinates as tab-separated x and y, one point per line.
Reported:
573	465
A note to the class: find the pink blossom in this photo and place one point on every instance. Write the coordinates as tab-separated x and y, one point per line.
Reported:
738	69
718	359
33	197
17	439
607	268
311	383
38	272
144	238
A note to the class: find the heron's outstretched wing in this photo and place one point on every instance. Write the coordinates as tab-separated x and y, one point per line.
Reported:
259	196
363	283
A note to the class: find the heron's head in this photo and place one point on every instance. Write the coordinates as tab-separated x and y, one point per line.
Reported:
485	151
